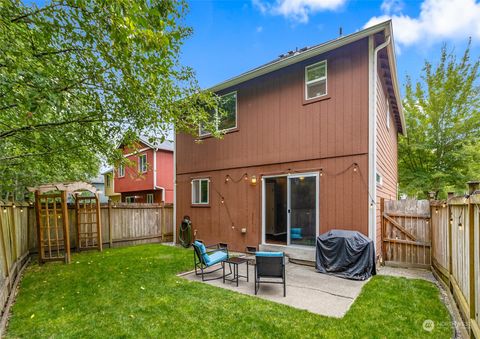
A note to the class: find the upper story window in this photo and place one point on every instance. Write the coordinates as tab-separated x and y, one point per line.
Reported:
130	199
121	171
316	80
228	120
200	191
150	198
142	163
107	180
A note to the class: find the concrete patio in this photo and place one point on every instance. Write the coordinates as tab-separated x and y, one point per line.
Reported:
306	289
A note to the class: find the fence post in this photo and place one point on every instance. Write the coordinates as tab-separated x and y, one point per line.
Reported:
4	249
450	223
110	240
13	234
163	222
472	187
382	225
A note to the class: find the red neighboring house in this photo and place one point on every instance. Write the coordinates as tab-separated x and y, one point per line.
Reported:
150	177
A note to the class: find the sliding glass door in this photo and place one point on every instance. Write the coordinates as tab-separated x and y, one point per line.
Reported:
302	209
290	209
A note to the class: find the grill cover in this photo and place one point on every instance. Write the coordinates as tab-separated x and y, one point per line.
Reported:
345	254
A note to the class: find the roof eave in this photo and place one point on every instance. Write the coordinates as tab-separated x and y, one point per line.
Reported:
314	51
393	71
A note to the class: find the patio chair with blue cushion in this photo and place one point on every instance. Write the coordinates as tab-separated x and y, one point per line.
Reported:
204	259
270	265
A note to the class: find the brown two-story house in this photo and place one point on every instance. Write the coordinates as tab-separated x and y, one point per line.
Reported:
310	145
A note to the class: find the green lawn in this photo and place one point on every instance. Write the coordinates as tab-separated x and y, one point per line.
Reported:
133	292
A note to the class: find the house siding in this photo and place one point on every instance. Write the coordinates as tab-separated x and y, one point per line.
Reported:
278	134
140	184
387	164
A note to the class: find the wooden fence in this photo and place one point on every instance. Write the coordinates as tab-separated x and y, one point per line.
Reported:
406	233
455	254
122	224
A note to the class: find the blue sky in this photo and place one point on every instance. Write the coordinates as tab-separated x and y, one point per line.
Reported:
231	37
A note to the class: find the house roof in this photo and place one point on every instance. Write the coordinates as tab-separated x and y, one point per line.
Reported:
309	52
166	145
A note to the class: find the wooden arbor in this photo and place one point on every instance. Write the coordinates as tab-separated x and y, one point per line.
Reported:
53	231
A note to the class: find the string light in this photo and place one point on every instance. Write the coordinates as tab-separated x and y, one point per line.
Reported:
372	203
444	205
245	176
321	171
227	178
4	209
460	226
355	167
436	209
21	209
223	200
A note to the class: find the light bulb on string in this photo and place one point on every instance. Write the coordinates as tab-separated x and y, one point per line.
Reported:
245	176
355	167
321	171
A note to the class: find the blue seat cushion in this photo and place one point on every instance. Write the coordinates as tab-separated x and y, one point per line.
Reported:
203	251
296	231
216	257
269	254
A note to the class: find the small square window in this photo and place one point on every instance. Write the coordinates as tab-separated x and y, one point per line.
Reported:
130	200
200	191
121	171
142	163
228	120
150	198
316	80
379	180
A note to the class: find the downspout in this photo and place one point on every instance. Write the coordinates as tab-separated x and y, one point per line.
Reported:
174	186
154	168
373	141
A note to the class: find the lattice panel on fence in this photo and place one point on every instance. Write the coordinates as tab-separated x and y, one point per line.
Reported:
89	228
52	227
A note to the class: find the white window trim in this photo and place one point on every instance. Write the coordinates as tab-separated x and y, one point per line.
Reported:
127	199
150	195
121	171
316	80
200	193
217	120
146	163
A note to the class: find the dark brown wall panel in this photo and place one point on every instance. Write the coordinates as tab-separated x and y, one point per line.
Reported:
274	126
343	200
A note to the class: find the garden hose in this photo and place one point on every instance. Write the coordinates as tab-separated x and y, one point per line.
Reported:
185	234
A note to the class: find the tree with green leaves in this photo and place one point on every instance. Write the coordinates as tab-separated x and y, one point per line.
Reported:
77	77
441	150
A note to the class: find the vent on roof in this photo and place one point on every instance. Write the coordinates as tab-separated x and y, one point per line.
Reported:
294	52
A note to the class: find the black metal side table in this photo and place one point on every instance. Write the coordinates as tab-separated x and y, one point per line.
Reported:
235	261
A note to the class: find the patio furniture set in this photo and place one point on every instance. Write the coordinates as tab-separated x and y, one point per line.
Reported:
269	267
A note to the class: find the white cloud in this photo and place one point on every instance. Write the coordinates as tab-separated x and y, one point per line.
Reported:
259	29
392	6
297	10
438	20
